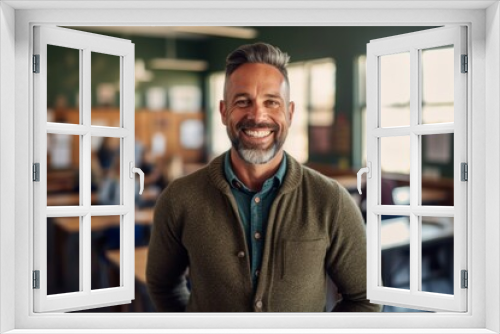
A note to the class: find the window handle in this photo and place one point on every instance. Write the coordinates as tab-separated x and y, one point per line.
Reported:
368	171
133	170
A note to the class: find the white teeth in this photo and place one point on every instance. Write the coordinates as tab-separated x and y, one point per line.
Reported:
257	134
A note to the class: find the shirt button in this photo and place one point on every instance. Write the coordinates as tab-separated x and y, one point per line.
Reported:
241	254
257	235
257	199
259	304
257	273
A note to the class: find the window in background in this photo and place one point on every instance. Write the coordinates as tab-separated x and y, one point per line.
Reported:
359	115
321	95
219	142
312	88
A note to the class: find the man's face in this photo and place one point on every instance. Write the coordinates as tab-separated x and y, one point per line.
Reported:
256	112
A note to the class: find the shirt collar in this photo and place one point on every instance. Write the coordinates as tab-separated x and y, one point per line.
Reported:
234	182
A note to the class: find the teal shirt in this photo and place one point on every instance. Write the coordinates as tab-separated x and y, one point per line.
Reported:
253	208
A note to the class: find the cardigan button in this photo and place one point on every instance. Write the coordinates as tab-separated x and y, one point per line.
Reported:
241	254
259	304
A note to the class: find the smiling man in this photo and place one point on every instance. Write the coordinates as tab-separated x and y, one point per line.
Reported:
257	230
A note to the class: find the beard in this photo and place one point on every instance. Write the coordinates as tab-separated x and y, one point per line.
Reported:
252	153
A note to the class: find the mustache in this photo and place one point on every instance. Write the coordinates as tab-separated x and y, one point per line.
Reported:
251	124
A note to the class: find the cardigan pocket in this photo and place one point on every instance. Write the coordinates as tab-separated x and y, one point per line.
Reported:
303	260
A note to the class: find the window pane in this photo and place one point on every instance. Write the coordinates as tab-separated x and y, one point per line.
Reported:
63	170
106	168
105	89
437	254
322	89
219	139
437	169
395	248
63	255
395	166
297	142
319	117
63	84
395	90
106	239
437	85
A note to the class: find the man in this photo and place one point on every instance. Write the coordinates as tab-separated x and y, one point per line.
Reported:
258	231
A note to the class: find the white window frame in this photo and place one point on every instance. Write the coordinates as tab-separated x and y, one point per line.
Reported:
484	104
412	44
86	44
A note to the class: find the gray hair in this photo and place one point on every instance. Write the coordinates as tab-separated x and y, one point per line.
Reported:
257	53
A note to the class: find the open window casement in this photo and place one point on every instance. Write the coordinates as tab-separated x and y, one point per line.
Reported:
416	114
82	132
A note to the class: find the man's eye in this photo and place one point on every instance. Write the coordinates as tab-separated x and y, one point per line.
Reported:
272	103
242	103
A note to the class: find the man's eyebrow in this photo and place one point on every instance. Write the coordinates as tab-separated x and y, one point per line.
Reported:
269	95
276	96
241	95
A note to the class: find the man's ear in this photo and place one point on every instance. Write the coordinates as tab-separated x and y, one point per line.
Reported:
291	110
223	111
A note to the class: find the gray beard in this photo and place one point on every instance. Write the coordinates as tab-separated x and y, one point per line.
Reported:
257	156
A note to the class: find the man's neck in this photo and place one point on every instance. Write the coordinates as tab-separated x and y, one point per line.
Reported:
253	176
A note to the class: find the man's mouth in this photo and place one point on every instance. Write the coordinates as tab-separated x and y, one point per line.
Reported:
257	133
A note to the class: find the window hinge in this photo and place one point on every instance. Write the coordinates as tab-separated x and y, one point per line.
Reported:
465	64
36	279
464	171
36	63
36	172
465	279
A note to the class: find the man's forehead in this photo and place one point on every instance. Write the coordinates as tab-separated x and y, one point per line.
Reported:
263	75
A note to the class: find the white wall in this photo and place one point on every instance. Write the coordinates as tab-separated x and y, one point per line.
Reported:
22	139
492	150
7	159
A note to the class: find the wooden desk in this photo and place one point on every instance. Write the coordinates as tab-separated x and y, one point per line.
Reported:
141	257
63	235
395	232
142	301
62	199
350	182
99	223
150	194
429	195
433	195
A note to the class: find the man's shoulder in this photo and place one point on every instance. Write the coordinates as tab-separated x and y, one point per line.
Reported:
195	186
185	187
316	179
192	180
325	189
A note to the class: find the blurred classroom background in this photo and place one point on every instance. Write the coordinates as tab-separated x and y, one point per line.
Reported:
179	75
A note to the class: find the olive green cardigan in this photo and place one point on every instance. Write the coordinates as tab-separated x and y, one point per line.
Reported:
314	229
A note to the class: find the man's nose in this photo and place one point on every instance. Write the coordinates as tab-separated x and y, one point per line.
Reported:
258	112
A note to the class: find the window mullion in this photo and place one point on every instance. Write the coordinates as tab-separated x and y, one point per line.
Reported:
373	183
85	112
415	261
